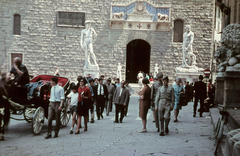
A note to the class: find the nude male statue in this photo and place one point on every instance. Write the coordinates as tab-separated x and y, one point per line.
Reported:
119	73
86	43
187	51
155	70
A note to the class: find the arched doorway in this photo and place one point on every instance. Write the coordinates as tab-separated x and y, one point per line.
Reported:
138	59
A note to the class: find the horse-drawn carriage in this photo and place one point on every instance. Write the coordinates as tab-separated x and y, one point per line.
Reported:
33	100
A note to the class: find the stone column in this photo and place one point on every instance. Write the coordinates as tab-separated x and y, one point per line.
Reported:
233	11
238	12
219	89
232	87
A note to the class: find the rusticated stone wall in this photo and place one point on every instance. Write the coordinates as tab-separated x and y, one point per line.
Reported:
46	46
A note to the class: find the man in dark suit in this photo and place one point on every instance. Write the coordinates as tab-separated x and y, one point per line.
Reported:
120	98
200	94
101	94
191	92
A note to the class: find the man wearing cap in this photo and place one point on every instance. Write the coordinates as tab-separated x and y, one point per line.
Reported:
154	90
111	90
164	102
86	43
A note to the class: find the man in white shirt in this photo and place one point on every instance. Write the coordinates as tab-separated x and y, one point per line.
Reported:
73	104
104	81
56	102
118	84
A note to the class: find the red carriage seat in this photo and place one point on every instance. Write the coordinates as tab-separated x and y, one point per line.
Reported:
62	81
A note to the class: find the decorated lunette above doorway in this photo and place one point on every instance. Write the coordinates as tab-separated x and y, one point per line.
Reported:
140	15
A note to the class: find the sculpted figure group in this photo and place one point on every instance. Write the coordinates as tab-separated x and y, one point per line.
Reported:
228	54
189	59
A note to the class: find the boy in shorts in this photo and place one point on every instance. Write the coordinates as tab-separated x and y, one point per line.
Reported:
73	104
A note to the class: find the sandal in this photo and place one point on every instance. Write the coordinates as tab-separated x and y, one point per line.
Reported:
77	132
143	131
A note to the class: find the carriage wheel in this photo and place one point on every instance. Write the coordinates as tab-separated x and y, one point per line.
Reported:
28	114
65	117
38	120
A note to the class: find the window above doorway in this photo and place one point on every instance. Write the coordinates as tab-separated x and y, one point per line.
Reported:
178	31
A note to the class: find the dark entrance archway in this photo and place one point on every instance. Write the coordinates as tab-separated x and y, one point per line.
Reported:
138	59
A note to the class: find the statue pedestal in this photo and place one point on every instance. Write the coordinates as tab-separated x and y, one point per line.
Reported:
189	74
232	87
93	70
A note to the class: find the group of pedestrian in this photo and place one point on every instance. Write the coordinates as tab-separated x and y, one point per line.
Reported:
162	98
100	94
89	94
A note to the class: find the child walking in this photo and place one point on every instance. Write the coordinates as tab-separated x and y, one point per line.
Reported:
73	104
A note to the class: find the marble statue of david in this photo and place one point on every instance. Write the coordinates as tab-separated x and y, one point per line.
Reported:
86	43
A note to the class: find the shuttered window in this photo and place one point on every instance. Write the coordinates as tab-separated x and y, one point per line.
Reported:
178	31
17	25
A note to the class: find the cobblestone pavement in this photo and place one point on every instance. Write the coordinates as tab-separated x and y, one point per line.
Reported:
188	137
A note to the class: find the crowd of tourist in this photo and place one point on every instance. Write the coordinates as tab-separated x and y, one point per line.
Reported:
93	94
101	94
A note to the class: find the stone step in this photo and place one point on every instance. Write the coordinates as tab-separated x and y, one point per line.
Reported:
234	118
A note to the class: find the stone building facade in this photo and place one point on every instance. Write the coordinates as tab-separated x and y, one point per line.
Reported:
44	45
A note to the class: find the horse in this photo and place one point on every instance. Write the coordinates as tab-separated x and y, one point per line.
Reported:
5	91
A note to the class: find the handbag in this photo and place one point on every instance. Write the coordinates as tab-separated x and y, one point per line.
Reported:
183	100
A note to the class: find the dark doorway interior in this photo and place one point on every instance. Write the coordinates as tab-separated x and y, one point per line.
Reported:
138	59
